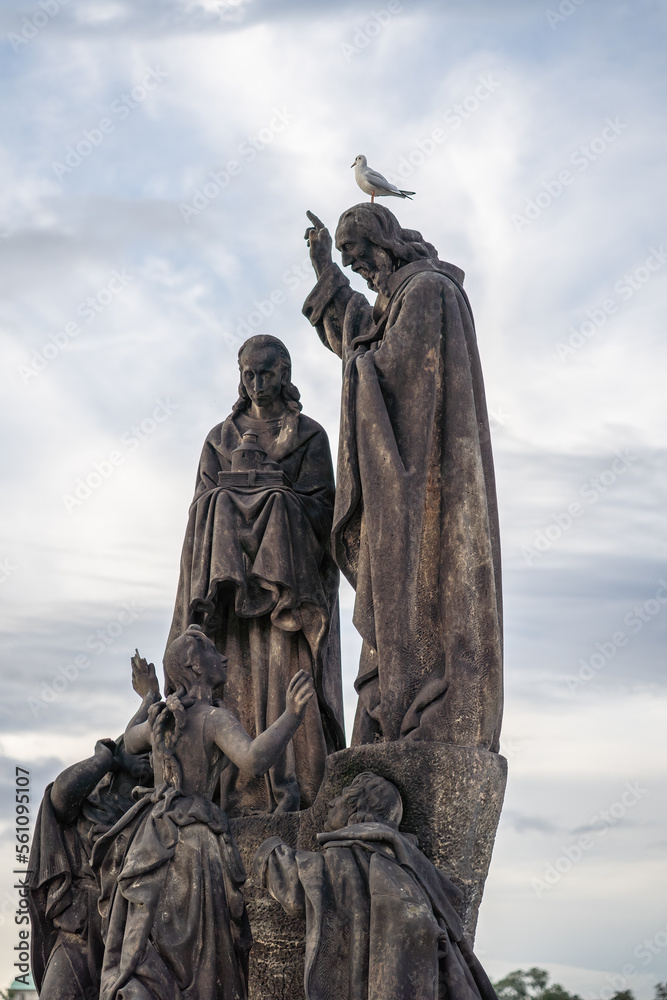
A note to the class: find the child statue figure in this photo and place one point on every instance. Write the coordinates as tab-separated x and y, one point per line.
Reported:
171	874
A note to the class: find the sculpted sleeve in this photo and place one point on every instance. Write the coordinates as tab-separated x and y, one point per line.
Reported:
337	313
209	464
276	868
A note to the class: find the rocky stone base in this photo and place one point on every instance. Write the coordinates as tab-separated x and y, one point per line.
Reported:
452	797
277	955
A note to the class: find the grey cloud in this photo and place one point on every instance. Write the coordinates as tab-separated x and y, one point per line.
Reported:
522	823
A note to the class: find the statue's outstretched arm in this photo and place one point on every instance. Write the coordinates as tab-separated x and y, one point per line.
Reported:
145	683
328	305
138	733
258	755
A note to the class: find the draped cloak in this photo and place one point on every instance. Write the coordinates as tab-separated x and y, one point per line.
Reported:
415	526
174	918
66	926
257	574
380	919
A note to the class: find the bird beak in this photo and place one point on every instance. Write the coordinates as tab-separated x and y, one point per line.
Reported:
354	164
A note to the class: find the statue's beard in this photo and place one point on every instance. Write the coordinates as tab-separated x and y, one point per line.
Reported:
376	273
379	282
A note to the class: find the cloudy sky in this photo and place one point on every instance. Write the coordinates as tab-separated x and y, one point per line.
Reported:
157	160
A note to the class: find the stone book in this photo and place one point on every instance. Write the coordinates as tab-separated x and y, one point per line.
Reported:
254	478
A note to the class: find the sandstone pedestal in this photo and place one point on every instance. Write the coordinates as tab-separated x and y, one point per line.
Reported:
452	800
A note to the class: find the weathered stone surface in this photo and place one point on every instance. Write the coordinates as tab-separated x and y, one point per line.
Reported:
381	919
83	804
415	527
452	797
277	954
258	576
169	872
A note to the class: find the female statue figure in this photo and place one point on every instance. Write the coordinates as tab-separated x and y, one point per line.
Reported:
257	574
174	917
416	524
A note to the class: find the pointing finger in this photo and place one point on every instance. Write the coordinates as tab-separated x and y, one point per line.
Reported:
316	222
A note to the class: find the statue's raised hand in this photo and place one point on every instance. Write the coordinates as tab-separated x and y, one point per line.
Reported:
144	680
319	241
299	692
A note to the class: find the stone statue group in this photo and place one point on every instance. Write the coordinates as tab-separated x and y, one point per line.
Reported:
136	878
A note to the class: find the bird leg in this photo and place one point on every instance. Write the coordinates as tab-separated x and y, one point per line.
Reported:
372	197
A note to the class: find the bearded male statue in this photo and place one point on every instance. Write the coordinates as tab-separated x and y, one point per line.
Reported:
415	527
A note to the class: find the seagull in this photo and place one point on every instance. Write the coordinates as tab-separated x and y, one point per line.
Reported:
373	183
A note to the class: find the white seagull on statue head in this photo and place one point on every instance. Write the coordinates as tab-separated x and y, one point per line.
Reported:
373	183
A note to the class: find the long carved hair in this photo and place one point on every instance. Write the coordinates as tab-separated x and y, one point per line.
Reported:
384	230
167	718
288	391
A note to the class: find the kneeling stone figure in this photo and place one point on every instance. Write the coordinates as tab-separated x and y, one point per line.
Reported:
380	919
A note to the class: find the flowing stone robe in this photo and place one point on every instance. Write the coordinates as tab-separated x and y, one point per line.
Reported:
257	574
380	923
174	918
67	946
415	523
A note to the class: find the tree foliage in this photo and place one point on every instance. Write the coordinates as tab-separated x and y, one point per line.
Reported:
531	984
